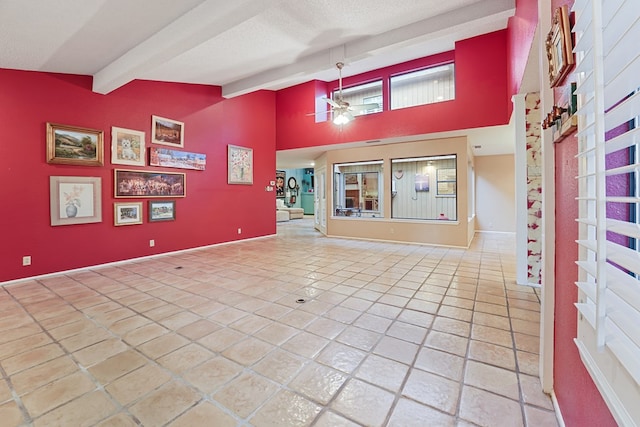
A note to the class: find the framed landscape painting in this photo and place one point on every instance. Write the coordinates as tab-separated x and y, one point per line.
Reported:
75	199
127	213
167	132
127	147
162	210
72	145
169	158
132	183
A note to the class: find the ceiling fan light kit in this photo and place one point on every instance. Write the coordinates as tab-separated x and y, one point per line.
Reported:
340	108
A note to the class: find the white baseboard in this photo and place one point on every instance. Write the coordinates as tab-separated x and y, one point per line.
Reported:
125	261
556	407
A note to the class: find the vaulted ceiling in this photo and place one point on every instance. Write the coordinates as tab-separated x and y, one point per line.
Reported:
241	45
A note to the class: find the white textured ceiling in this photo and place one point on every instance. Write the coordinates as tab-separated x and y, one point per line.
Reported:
241	45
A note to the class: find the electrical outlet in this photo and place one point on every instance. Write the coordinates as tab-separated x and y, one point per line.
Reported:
239	230
152	243
26	260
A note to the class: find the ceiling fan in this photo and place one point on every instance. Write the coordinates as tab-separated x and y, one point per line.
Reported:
341	109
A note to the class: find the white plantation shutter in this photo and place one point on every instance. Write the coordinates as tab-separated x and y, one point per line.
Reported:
607	50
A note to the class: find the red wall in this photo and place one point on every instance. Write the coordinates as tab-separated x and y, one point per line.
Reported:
580	401
482	99
211	212
520	32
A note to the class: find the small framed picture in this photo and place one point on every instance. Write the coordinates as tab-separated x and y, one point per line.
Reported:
72	145
167	132
127	213
127	147
162	210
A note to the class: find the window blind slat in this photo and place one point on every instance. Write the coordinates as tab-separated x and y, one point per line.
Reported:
624	316
621	84
625	257
588	288
623	112
589	312
624	285
624	228
622	141
623	170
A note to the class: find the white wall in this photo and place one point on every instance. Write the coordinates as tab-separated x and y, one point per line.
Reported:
495	193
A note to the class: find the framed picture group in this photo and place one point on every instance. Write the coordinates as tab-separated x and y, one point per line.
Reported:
77	199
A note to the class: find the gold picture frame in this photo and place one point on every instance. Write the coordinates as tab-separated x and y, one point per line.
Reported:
72	145
559	47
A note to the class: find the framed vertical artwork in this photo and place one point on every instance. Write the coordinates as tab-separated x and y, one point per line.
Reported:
167	131
127	213
559	47
75	199
281	176
240	165
72	145
127	147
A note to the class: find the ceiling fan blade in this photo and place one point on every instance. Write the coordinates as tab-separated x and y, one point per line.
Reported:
332	102
318	112
360	107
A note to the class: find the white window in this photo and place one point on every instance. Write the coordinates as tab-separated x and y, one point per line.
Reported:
427	86
608	74
364	94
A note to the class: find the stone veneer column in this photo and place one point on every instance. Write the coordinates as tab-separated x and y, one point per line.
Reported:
534	188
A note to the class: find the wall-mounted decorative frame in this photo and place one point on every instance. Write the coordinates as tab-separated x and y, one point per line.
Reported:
240	165
559	47
162	210
127	213
131	183
281	176
446	182
127	147
167	131
72	145
422	182
169	158
75	199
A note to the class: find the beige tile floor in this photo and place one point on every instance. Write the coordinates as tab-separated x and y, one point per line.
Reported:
388	335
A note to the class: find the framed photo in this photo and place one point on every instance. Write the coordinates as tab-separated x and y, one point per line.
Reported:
127	213
422	182
446	188
280	178
167	132
130	183
162	210
71	145
559	47
240	166
169	158
75	199
127	147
